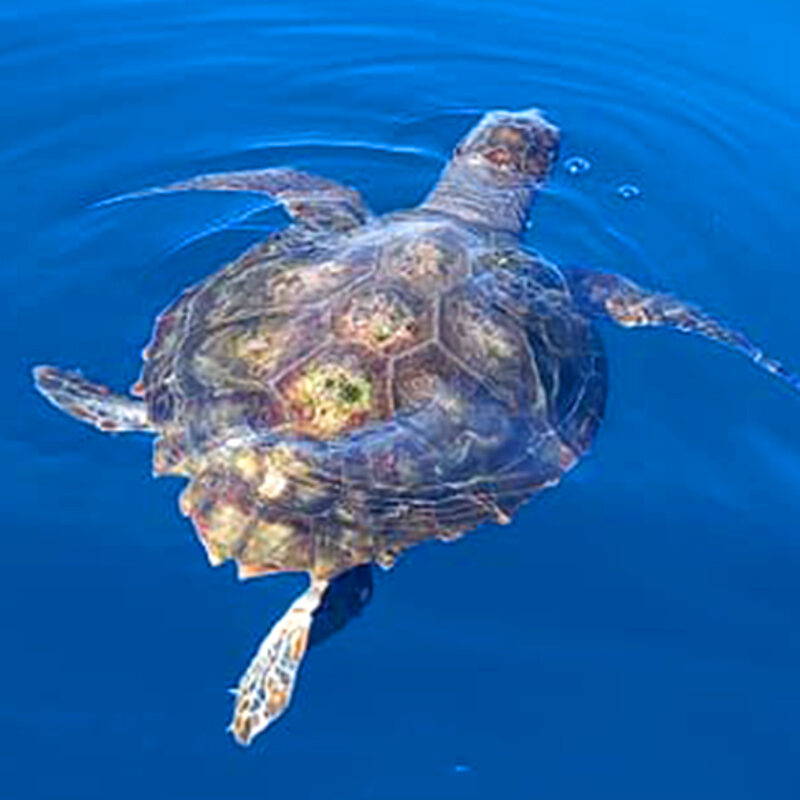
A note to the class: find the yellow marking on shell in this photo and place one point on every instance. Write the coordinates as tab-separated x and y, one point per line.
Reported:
274	533
279	465
498	344
329	399
268	472
273	485
247	463
226	524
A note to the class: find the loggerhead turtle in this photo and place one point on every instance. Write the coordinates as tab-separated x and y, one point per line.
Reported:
354	384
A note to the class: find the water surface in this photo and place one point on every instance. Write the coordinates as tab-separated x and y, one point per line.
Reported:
632	635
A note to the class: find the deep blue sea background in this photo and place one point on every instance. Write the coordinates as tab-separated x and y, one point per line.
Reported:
633	634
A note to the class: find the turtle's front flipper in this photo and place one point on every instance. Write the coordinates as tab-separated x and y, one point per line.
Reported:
609	296
266	687
90	402
317	202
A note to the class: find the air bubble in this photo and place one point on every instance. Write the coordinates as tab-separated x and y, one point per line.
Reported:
628	191
577	165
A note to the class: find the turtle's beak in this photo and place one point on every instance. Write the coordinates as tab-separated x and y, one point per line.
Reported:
512	144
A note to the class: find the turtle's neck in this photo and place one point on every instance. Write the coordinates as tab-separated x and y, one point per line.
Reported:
464	192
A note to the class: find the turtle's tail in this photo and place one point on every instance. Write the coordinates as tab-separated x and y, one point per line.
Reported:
609	296
90	402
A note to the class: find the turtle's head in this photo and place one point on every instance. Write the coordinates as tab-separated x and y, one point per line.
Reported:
495	169
507	147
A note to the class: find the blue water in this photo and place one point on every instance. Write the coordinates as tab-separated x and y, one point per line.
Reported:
633	634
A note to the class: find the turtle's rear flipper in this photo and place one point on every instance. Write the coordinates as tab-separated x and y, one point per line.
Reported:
266	688
90	402
610	296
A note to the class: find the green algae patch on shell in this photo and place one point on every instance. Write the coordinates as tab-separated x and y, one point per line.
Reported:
337	390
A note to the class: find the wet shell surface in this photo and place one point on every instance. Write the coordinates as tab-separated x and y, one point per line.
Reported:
337	399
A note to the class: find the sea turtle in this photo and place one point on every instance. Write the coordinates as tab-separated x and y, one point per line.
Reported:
356	384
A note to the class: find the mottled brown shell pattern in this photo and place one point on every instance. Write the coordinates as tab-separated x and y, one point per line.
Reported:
337	399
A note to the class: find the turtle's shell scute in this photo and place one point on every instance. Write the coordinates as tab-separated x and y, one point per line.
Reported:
337	399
